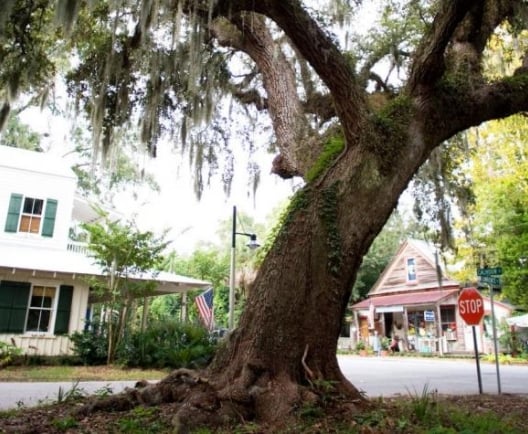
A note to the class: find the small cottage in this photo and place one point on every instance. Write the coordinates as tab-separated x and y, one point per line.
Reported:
415	303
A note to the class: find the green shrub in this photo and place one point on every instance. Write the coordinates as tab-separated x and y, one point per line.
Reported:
166	344
7	353
91	346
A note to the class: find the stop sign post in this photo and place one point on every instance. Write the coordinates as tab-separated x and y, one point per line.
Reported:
471	309
471	306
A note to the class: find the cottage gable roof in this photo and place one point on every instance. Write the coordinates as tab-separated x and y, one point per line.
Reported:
396	279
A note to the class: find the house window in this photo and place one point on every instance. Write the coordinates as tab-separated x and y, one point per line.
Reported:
411	270
448	318
31	215
34	309
41	307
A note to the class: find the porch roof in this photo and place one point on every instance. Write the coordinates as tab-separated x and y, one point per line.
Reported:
409	299
41	262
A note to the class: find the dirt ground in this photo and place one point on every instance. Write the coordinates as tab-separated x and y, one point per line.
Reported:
61	418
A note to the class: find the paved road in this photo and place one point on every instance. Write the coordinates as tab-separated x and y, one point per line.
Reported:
376	376
13	395
387	376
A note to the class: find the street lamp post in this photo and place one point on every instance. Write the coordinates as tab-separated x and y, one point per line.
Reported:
252	245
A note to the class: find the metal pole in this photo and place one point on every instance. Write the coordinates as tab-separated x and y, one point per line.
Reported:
232	274
477	359
495	349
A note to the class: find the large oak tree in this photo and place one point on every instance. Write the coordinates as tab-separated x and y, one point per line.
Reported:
355	152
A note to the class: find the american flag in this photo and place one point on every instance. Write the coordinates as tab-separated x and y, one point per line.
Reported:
205	307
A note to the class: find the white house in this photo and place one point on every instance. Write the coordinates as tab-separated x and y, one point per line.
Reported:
43	274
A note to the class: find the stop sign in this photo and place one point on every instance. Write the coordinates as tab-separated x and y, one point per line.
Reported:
471	306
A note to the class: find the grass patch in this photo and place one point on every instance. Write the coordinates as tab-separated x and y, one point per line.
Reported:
79	373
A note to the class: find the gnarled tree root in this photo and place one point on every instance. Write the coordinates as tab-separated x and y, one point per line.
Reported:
273	402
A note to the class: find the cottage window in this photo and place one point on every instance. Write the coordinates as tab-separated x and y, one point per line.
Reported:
411	270
34	309
31	215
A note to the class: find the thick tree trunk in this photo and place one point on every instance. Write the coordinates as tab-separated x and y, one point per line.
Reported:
289	329
288	332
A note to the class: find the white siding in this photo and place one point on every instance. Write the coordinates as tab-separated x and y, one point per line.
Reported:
29	181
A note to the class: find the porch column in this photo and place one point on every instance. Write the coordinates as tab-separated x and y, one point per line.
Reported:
383	325
355	335
183	312
439	329
405	327
145	314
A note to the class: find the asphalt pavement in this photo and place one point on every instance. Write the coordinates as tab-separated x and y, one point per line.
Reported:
389	376
16	395
375	376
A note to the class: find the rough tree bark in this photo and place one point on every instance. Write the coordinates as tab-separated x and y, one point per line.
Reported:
285	344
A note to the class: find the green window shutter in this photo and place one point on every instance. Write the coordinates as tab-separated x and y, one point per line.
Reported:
14	298
62	320
49	218
13	213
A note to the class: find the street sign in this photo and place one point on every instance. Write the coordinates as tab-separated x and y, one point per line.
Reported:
471	309
471	306
491	280
495	271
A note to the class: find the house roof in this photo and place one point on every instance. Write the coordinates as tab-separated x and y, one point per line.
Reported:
38	162
409	299
519	321
85	211
60	262
427	252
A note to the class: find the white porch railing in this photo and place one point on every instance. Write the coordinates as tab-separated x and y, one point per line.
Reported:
77	247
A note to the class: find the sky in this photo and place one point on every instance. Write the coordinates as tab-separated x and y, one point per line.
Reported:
192	220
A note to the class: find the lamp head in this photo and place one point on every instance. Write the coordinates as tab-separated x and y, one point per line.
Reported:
253	244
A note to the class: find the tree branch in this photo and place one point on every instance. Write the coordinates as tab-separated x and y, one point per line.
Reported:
318	49
249	33
483	19
429	65
321	105
472	35
487	102
251	96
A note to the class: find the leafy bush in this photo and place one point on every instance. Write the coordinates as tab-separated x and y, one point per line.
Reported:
91	346
166	344
7	353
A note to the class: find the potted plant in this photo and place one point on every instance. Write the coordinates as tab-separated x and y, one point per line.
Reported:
384	343
361	348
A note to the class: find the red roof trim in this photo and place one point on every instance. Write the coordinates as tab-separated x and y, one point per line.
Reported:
408	299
